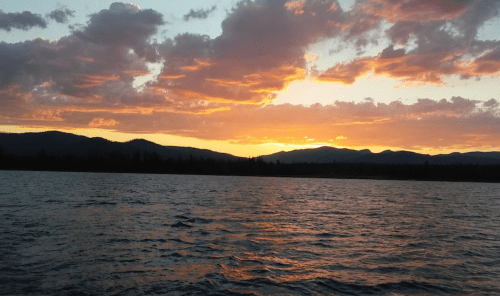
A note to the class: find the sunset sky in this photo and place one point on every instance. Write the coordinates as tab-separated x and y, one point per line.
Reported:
256	77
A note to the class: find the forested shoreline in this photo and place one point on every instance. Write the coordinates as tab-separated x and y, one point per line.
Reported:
151	162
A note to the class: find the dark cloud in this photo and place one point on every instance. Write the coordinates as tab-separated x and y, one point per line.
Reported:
13	57
261	49
123	25
491	103
66	62
199	14
61	15
21	20
390	53
487	64
443	33
13	103
95	66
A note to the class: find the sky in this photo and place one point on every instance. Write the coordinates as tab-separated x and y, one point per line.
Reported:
255	77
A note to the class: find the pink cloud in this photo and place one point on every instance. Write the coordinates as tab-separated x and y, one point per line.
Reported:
219	88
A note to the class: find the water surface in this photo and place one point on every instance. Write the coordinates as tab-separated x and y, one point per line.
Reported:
131	234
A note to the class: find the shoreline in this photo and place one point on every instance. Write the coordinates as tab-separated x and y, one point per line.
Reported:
339	177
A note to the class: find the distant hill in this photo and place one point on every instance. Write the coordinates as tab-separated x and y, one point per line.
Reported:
56	151
58	143
335	155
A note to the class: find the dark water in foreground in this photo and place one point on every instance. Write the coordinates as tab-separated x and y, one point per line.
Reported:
87	233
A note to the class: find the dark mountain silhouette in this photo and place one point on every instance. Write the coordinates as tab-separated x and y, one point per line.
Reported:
58	143
318	155
56	151
325	155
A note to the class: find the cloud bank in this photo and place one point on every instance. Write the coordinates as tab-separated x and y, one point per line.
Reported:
444	33
220	88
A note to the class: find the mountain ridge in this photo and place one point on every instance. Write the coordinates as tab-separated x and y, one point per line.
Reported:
326	154
54	143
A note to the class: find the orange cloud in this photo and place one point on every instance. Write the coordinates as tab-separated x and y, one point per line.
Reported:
487	64
415	10
9	90
194	110
100	122
396	124
424	125
311	58
346	73
239	87
296	6
198	64
171	76
43	115
413	67
89	81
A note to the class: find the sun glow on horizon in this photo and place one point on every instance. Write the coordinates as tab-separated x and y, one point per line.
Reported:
241	150
257	77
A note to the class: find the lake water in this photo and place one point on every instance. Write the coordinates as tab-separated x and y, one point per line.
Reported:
131	234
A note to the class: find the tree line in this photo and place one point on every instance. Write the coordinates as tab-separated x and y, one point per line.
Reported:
151	162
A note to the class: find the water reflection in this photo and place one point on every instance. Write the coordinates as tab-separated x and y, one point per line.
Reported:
129	234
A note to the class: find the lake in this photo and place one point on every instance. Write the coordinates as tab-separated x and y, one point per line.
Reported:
133	234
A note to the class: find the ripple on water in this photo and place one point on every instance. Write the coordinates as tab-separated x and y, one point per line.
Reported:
88	234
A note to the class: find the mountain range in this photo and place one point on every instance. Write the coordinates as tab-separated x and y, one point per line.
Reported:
58	143
335	155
